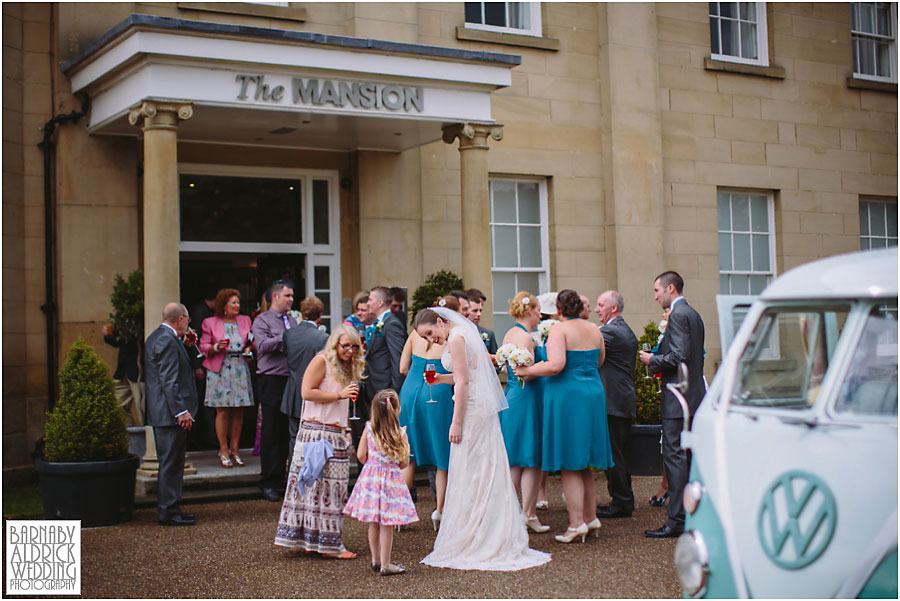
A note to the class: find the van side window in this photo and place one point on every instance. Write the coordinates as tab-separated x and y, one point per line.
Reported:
803	342
870	387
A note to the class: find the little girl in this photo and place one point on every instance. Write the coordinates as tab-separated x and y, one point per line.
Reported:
380	496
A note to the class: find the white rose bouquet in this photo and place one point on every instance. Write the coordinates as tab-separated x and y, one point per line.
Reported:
544	328
514	356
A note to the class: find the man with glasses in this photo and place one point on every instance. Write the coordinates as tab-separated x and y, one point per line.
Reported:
272	370
171	403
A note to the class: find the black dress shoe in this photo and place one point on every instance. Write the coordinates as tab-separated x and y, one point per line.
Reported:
177	520
608	511
188	516
665	532
270	494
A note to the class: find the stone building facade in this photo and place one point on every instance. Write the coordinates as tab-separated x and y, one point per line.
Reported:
556	145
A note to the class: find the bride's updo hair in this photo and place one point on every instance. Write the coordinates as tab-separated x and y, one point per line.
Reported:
425	317
521	304
569	303
449	302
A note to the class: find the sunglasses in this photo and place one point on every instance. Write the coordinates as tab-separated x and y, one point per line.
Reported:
347	347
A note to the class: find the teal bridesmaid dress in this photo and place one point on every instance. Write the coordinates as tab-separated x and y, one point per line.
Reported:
521	422
427	424
575	432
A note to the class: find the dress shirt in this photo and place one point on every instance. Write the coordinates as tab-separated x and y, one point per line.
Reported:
267	329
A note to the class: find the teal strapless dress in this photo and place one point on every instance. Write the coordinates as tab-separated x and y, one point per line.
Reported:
521	422
575	432
427	424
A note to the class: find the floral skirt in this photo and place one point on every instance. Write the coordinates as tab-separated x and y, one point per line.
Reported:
230	387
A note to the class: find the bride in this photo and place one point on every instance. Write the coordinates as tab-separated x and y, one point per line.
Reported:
482	527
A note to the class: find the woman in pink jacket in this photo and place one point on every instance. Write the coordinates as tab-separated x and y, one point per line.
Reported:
223	339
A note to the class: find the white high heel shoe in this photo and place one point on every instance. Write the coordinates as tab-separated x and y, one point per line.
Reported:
572	533
436	519
535	524
594	527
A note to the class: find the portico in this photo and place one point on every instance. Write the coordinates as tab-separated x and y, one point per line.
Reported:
255	90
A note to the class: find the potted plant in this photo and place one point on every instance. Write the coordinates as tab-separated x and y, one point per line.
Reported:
437	284
644	457
86	471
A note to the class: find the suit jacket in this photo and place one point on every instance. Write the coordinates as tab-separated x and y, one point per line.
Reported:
617	371
383	356
212	330
170	378
491	345
300	345
682	342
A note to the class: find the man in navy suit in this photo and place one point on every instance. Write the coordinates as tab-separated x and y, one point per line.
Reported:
171	405
681	343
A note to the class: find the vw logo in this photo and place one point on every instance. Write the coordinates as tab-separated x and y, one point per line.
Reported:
796	519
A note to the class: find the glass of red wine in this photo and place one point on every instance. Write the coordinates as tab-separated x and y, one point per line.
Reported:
353	398
430	375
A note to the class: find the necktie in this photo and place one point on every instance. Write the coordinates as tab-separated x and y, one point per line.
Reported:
287	321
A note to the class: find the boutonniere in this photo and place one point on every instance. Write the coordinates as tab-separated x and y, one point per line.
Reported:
379	325
485	338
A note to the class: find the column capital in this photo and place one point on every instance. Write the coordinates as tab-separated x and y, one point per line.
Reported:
160	115
472	135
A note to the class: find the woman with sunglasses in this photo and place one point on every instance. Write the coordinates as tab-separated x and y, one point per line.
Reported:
309	518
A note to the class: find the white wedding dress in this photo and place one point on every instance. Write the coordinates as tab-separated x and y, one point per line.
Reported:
482	526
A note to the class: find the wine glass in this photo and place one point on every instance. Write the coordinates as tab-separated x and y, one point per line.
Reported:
429	378
353	399
646	347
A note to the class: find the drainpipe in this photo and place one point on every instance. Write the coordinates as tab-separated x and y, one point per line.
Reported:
49	307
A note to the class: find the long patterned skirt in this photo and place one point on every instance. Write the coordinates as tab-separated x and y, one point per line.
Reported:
313	522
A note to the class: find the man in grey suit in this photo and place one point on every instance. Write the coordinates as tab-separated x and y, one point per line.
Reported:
171	403
384	343
476	307
300	345
682	342
617	375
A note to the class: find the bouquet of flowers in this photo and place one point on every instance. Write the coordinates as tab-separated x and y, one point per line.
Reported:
544	328
514	356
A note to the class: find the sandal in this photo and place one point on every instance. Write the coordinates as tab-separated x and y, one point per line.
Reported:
224	460
392	570
237	460
345	554
542	504
376	566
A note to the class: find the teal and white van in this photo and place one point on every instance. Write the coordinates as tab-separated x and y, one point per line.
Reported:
793	486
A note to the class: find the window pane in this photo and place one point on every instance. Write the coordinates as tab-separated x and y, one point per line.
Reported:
748	11
723	208
321	280
504	289
529	203
529	282
864	244
759	213
878	242
725	252
882	19
758	283
728	9
715	46
748	41
761	253
741	252
519	15
530	247
740	284
473	12
876	214
740	212
723	284
495	13
713	8
866	18
883	59
504	202
863	219
870	387
729	38
505	246
891	219
215	208
320	212
325	297
867	57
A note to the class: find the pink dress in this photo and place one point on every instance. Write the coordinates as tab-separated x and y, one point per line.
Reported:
380	494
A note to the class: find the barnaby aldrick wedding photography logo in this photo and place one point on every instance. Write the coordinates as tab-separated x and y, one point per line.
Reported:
43	557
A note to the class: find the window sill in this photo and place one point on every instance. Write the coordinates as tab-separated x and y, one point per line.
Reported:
772	71
868	84
510	39
287	13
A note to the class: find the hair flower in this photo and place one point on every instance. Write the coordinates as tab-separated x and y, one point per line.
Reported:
526	301
442	303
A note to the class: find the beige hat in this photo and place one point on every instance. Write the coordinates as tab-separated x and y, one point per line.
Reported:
547	303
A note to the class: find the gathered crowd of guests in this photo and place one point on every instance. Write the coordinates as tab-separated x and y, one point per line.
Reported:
567	406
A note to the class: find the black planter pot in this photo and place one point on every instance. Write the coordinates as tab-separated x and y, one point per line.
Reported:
99	493
643	452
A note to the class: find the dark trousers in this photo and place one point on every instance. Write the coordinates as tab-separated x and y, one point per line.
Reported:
677	463
293	430
273	434
618	478
171	442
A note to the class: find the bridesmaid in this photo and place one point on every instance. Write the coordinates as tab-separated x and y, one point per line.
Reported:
575	433
427	423
521	422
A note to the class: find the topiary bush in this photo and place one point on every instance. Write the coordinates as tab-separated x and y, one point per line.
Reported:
127	300
648	398
437	284
86	424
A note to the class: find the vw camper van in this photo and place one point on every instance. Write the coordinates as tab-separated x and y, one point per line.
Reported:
793	486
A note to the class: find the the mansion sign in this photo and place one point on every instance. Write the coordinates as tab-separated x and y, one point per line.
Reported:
338	93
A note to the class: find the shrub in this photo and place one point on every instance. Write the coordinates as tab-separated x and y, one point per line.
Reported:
437	284
127	300
86	424
648	398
